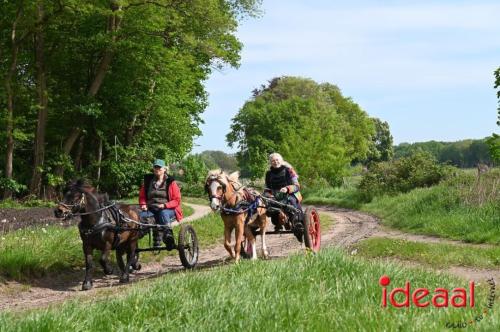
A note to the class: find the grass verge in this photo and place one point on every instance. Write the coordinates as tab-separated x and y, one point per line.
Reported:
30	253
433	254
438	211
325	292
465	207
34	252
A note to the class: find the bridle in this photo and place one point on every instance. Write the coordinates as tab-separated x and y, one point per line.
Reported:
222	198
72	209
79	206
214	178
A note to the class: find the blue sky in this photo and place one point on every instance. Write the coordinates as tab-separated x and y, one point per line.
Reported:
425	67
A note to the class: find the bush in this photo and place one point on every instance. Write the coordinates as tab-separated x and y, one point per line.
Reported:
402	175
12	185
192	189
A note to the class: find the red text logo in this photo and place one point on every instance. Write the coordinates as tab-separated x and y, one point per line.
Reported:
422	297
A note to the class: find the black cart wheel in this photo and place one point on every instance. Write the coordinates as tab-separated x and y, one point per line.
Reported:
188	246
312	229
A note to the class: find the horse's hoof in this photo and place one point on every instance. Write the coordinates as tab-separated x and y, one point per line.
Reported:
108	271
86	286
124	280
134	267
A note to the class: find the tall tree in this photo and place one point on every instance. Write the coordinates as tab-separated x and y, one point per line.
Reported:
41	82
313	125
382	148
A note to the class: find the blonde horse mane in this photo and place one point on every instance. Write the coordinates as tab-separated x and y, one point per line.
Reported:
222	176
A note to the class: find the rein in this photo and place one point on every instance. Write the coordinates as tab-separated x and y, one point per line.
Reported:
91	212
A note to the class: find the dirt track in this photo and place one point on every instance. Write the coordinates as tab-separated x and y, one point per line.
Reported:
349	228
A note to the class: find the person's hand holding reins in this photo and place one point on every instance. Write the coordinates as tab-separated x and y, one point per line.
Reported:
157	206
284	190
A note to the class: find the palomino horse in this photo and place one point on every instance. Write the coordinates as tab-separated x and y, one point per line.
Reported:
103	227
228	196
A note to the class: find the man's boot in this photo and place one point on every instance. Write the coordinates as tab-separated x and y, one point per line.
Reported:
168	238
157	235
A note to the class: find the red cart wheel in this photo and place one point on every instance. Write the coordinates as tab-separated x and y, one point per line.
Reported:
312	233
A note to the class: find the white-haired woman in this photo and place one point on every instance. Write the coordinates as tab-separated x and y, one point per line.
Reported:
281	177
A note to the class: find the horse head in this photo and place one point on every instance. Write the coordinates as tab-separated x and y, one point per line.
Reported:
220	187
77	197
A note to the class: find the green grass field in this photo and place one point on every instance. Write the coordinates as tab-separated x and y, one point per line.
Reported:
436	255
33	252
324	292
347	197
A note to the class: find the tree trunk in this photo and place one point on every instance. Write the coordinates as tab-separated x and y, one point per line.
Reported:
79	153
41	80
59	171
10	139
114	22
9	158
99	159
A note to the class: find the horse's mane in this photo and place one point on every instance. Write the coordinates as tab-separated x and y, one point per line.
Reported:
81	184
225	178
84	186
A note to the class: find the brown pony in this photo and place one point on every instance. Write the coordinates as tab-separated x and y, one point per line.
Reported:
229	197
103	226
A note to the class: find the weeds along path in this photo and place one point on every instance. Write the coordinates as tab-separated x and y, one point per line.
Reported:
349	228
353	226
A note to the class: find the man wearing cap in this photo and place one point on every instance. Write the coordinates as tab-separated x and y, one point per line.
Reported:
160	197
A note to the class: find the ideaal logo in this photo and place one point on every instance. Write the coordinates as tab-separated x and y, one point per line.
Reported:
460	297
479	317
439	298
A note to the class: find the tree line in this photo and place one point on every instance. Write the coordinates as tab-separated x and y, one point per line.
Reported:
322	133
464	154
100	88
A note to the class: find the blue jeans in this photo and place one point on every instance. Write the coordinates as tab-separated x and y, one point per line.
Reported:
294	201
162	217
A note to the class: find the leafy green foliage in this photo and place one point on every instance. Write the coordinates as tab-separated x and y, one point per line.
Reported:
494	140
194	169
402	175
191	173
144	102
382	149
465	153
220	159
12	185
314	127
